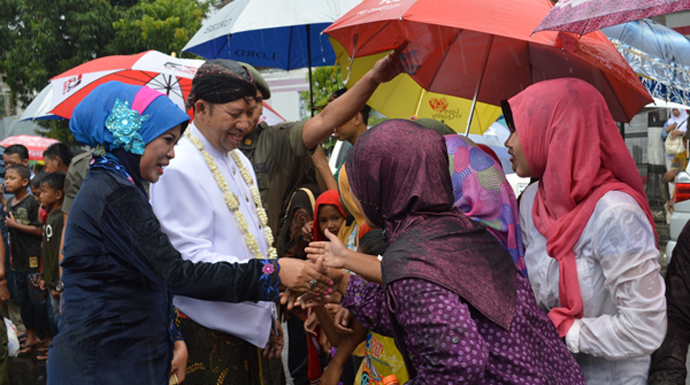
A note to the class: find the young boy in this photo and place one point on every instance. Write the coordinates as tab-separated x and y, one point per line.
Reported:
51	196
35	187
25	250
57	157
16	154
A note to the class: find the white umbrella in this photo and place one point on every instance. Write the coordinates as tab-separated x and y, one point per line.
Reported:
39	108
659	103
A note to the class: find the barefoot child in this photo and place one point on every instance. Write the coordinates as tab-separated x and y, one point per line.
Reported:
51	197
25	249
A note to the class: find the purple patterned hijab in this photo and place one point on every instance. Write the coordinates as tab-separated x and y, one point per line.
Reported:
482	192
399	173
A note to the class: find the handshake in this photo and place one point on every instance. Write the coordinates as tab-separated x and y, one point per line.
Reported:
310	283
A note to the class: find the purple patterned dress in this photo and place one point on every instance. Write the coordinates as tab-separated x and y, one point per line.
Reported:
458	309
453	343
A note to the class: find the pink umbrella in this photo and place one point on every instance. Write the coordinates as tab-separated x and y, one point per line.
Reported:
585	16
35	144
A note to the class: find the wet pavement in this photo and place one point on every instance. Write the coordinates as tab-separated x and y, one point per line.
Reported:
27	371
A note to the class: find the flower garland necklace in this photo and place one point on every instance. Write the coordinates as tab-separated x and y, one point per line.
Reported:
233	202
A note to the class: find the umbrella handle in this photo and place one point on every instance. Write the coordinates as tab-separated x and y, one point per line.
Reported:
419	102
311	86
479	85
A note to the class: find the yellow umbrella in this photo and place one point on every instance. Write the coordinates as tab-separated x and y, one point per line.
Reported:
403	97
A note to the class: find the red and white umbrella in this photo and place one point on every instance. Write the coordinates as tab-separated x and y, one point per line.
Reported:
270	116
35	144
170	75
585	16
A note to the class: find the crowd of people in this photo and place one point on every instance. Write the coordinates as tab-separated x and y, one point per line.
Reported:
174	250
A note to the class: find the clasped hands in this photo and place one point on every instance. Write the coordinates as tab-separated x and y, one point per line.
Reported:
327	260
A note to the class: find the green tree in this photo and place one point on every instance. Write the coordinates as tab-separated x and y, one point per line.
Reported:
163	25
325	81
40	39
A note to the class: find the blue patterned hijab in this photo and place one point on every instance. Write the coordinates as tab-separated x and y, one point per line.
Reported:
119	120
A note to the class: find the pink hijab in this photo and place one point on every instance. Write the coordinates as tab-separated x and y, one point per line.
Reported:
572	143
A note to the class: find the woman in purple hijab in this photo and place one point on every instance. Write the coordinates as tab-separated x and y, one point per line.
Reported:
459	310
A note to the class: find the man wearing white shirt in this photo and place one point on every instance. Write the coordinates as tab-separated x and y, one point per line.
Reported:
208	205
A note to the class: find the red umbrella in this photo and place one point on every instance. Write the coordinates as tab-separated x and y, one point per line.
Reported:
585	16
485	49
35	144
169	75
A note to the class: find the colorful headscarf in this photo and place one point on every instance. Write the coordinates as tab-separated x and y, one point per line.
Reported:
482	192
221	81
399	173
349	202
330	197
119	120
573	145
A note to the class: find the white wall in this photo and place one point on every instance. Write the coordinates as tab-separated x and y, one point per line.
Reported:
679	21
285	87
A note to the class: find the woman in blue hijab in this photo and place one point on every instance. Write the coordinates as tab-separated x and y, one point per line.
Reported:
119	267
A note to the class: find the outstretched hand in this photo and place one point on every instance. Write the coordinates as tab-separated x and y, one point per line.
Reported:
340	279
303	276
310	324
333	253
394	64
289	298
341	320
307	233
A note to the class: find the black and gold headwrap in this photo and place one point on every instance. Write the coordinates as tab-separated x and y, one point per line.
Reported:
221	81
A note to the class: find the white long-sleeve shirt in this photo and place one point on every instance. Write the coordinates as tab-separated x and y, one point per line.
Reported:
622	291
193	213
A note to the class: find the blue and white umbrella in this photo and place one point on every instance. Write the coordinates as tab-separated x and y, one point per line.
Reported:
659	55
271	33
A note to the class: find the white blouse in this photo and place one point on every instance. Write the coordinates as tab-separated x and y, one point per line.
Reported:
193	213
622	291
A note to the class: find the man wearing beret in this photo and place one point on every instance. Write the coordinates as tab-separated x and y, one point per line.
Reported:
209	204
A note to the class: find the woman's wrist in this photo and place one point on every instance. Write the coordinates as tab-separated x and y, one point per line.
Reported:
347	258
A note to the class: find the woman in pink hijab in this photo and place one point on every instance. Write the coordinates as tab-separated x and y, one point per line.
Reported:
590	243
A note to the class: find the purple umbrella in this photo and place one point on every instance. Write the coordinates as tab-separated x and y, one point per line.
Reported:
585	16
